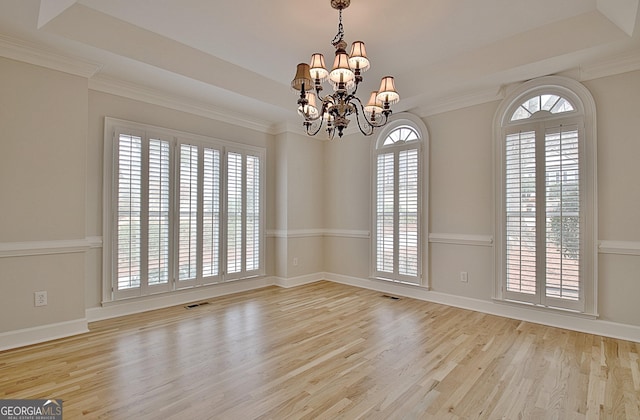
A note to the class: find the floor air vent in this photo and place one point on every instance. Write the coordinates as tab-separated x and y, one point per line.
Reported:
391	297
195	305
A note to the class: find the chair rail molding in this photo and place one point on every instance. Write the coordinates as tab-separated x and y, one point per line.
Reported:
60	246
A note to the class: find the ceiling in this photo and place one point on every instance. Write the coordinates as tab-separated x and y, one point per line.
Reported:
235	59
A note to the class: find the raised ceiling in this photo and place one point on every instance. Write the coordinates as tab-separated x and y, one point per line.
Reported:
235	59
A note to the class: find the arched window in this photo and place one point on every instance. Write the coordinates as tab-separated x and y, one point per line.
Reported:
546	196
397	201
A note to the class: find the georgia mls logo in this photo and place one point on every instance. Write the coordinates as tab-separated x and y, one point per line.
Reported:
30	409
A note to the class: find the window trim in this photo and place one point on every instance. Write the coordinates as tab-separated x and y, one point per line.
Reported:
584	110
377	148
113	126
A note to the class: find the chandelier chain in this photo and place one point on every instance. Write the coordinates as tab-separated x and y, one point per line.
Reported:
340	35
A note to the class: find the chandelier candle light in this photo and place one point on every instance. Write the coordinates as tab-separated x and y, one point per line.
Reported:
345	77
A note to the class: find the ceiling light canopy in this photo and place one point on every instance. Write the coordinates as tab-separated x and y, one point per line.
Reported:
345	76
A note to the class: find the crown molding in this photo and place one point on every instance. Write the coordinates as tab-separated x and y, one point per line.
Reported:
619	64
31	53
452	103
137	92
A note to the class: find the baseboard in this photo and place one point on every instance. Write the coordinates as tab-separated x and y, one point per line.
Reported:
153	302
42	333
298	281
554	319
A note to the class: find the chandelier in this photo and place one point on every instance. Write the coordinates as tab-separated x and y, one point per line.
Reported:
335	109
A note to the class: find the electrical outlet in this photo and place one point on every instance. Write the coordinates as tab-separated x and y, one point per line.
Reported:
295	261
40	298
464	277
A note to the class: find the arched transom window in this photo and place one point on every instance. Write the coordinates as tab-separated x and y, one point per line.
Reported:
401	135
553	104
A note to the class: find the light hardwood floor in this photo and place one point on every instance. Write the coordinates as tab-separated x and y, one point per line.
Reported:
327	351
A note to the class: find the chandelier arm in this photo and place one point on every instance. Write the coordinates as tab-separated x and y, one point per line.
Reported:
369	127
308	125
373	124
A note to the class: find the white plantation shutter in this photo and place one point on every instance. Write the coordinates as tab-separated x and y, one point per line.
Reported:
562	200
408	213
142	213
385	206
188	212
397	198
180	212
129	209
158	216
211	214
543	215
252	220
234	213
520	197
244	214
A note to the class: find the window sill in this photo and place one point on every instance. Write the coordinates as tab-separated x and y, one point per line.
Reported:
547	309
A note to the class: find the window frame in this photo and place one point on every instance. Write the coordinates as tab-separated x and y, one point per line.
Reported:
583	116
113	128
378	148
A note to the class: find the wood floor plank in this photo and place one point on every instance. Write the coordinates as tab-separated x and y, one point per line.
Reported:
327	351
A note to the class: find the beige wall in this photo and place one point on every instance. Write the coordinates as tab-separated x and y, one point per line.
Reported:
43	117
618	112
318	193
461	198
299	205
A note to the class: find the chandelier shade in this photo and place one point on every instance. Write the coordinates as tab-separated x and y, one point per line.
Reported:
374	106
358	57
341	72
334	111
310	109
387	91
317	67
302	81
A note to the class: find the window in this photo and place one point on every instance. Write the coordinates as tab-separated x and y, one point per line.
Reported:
180	210
546	251
397	247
